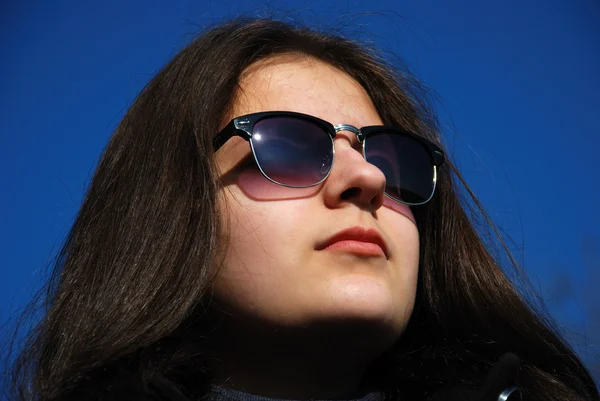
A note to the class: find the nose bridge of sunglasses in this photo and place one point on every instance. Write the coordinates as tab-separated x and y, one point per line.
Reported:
347	127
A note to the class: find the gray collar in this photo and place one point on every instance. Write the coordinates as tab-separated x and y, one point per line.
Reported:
226	394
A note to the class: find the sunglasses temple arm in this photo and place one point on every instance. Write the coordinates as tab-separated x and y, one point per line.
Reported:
223	136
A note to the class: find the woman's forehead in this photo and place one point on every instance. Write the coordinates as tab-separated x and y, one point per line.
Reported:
306	85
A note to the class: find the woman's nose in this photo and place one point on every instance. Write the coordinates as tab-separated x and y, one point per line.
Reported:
353	179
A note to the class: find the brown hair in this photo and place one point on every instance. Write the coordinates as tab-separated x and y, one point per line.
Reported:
129	283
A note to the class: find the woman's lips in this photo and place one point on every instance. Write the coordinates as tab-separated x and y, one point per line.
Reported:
356	240
359	248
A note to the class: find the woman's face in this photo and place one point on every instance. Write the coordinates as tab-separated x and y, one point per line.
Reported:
275	270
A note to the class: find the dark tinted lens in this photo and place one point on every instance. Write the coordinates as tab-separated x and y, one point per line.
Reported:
406	164
292	151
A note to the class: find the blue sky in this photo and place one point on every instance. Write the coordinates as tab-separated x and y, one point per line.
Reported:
519	83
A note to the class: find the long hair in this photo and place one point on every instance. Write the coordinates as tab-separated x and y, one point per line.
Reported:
133	277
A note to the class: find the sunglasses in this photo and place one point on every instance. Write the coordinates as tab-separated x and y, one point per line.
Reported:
296	150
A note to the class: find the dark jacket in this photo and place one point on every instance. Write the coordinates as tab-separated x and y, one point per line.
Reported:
500	384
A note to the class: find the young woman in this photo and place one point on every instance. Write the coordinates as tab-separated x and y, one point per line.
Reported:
275	218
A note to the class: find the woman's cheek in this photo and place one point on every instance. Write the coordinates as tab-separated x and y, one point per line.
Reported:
399	208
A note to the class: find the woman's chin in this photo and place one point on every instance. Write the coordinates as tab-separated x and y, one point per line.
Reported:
360	302
358	310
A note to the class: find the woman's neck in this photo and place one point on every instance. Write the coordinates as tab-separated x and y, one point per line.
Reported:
310	363
288	376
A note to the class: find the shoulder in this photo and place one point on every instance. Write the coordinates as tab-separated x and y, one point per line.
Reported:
122	385
500	384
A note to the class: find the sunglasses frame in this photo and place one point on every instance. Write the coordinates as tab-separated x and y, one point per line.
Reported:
243	126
